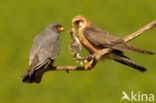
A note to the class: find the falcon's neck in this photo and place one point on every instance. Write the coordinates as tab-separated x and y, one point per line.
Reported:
85	42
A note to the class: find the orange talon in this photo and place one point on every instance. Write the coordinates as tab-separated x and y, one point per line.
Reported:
88	66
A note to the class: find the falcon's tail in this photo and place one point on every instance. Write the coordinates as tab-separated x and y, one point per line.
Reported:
126	61
34	74
131	48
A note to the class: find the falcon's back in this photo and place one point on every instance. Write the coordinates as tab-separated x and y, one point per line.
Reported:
46	45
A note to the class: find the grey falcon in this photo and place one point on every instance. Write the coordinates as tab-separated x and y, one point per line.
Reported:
44	51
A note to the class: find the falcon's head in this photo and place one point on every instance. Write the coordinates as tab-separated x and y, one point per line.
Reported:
80	22
56	27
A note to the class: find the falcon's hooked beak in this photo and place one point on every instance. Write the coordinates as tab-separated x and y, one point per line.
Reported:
60	29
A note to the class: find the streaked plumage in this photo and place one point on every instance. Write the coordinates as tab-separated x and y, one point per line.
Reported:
75	45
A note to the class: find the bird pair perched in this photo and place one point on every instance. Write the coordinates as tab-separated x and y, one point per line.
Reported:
46	47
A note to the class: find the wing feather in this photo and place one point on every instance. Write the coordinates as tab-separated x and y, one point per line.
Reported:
104	39
101	38
46	45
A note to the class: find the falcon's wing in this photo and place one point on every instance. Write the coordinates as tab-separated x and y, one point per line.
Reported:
100	38
103	39
46	45
45	49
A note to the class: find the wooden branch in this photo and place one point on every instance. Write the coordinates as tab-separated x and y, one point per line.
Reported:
150	25
62	68
97	56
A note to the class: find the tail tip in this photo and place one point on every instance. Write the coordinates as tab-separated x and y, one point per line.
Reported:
152	53
143	70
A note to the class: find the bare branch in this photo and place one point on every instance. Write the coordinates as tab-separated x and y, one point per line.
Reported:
150	25
62	68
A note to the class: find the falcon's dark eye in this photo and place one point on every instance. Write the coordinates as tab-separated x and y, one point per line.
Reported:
58	27
78	22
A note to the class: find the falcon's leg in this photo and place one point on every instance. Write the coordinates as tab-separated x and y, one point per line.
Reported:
88	58
49	62
93	59
67	71
85	59
90	64
78	58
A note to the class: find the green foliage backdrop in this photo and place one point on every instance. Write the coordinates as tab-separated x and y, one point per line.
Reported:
21	20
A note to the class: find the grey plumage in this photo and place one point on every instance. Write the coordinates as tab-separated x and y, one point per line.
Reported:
45	49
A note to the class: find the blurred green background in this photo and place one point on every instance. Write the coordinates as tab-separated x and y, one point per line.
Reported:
21	20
